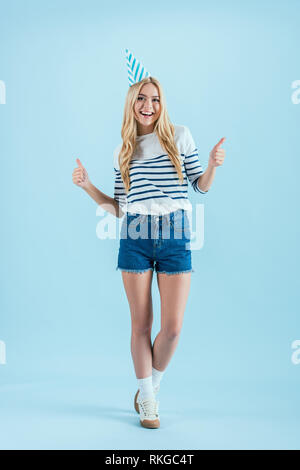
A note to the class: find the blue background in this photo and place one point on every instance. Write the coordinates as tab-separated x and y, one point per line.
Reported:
226	68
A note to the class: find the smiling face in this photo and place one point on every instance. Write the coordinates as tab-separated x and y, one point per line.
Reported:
147	108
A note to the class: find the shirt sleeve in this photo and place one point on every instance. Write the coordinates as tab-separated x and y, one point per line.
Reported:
119	188
192	165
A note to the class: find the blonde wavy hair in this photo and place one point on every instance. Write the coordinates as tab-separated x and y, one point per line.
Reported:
163	128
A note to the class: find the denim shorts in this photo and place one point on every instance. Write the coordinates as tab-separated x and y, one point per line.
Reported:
156	242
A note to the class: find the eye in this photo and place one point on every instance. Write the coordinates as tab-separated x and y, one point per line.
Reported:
141	98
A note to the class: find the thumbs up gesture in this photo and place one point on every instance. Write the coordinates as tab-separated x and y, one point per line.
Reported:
80	175
217	155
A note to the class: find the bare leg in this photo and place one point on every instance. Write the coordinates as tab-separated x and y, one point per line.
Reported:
174	290
138	291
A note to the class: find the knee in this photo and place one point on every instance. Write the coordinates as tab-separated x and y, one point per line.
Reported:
142	329
171	332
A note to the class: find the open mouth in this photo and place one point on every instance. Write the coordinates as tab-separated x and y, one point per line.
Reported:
147	115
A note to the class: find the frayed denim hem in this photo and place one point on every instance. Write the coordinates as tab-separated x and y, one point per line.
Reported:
134	270
177	272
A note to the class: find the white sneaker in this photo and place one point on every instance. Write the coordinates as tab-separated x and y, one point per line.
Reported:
136	398
149	417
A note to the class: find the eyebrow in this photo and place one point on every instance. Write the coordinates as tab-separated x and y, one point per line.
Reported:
154	96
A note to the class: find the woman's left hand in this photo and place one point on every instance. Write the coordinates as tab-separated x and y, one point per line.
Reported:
217	155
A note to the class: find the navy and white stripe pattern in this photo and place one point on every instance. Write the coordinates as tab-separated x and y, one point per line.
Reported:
135	69
156	178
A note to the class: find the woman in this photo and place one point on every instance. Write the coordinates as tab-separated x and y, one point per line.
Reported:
152	166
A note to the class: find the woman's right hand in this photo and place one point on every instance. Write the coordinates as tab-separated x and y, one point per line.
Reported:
80	175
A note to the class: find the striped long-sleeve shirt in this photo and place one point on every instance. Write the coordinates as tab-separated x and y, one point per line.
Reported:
154	184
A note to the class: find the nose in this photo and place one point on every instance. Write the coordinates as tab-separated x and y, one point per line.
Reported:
147	109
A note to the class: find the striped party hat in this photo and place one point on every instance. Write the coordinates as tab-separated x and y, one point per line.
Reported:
136	70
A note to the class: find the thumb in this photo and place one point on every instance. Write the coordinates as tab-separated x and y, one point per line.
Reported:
221	141
79	162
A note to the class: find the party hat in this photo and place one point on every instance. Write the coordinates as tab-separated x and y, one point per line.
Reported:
136	70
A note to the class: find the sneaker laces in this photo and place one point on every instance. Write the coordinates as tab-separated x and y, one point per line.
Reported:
149	407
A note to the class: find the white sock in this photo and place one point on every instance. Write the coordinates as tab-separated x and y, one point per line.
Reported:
146	388
156	376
